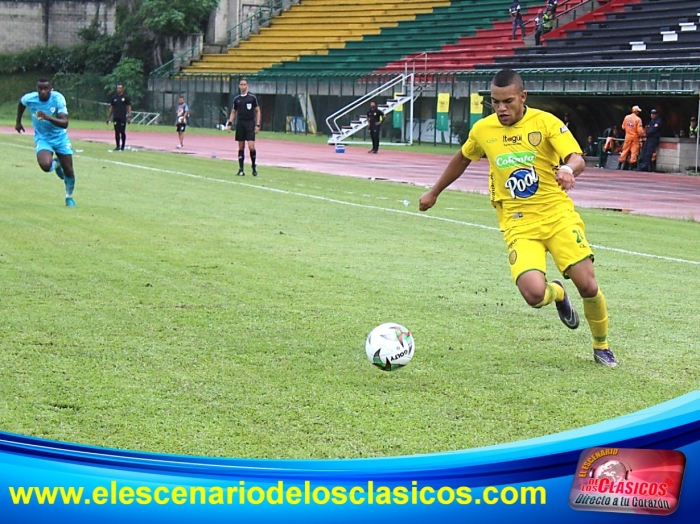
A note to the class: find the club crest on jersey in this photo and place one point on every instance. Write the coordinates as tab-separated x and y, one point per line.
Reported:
523	183
249	106
534	138
563	129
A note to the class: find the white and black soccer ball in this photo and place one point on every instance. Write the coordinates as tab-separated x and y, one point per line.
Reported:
181	120
390	346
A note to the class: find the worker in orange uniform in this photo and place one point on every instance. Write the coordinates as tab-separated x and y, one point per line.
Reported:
632	125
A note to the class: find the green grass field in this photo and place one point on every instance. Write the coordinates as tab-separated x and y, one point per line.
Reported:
179	309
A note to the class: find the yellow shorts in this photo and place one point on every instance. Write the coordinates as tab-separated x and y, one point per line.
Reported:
564	238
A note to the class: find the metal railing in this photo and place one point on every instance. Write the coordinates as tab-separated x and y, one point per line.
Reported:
174	65
566	12
403	80
259	16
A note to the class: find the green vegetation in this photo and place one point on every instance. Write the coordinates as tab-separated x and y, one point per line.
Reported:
125	57
181	309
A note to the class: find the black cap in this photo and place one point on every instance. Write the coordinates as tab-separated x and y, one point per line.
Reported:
653	110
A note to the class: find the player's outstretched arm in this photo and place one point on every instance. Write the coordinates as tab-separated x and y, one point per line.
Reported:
452	172
18	124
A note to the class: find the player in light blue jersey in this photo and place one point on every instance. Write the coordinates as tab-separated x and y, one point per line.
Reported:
50	121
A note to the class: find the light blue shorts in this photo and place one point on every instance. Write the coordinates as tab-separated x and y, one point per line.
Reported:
62	145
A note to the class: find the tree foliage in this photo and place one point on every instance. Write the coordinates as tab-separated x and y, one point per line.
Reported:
150	22
125	57
129	73
175	17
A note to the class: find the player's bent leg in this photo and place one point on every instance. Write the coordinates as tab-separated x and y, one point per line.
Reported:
582	275
66	162
528	264
533	288
595	310
538	293
59	169
567	312
45	160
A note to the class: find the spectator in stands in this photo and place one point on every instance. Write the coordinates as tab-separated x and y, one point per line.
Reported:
611	145
682	134
552	6
591	148
182	116
651	143
547	21
374	121
632	126
120	114
693	129
538	28
517	18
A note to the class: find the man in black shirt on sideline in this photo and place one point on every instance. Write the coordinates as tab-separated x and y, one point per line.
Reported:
245	106
120	113
374	120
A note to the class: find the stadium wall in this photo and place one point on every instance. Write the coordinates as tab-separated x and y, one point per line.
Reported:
25	24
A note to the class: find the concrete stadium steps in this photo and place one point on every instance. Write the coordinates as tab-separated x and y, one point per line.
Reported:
600	14
372	17
597	59
251	53
466	52
283	40
428	32
622	24
632	34
274	48
362	6
483	47
323	25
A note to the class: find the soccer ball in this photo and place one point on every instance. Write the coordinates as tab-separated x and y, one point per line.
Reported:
390	346
181	120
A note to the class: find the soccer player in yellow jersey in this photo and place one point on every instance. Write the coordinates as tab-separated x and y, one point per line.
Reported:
528	182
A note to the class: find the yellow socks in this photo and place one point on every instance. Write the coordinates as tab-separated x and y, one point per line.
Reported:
551	293
596	311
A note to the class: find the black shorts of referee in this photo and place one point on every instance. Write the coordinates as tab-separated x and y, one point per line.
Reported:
245	131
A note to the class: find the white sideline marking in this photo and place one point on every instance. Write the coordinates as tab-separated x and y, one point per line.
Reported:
366	206
363	206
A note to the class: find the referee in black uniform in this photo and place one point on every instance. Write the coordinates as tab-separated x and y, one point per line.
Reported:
120	113
374	120
245	106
